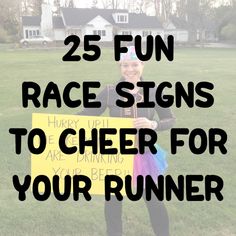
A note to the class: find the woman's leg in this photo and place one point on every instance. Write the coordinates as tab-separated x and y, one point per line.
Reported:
158	217
113	214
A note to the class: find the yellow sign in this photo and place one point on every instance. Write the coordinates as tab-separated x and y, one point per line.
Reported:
96	166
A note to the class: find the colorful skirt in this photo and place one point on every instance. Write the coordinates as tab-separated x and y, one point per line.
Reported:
150	164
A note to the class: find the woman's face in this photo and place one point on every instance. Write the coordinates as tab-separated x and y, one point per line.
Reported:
131	70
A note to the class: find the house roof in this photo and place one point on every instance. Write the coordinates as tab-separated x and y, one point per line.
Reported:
179	23
76	17
36	20
31	20
81	16
140	21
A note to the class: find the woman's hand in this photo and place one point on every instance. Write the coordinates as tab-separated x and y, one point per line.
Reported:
144	123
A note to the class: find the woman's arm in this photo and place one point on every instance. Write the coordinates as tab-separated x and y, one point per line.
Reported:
166	118
164	121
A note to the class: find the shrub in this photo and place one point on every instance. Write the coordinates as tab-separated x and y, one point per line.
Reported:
229	32
3	35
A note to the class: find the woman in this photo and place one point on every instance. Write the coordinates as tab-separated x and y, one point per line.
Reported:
131	71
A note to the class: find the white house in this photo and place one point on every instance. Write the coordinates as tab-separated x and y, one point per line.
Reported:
103	22
178	28
31	26
79	21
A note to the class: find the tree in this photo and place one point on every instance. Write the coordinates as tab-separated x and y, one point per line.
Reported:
115	4
26	7
37	7
3	35
9	18
151	4
166	6
225	18
57	5
163	8
106	4
181	9
228	32
199	15
71	4
232	3
224	15
67	3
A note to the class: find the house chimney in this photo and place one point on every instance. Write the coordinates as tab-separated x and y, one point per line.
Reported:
46	21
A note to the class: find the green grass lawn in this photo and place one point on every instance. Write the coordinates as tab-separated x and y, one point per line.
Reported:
86	218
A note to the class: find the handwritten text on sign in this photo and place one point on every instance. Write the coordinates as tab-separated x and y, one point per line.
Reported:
96	166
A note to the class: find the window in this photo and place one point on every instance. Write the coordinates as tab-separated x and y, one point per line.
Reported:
32	33
101	33
122	19
27	34
146	33
126	32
